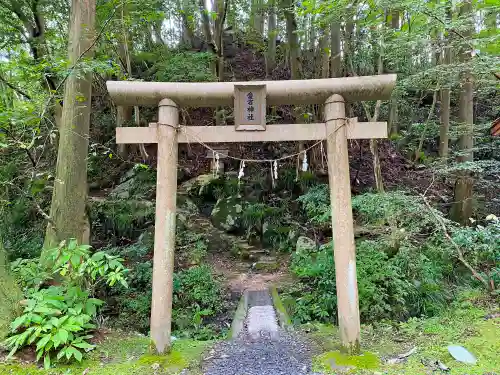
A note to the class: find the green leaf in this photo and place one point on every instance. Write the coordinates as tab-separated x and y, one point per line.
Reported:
63	335
18	322
83	345
45	339
61	353
76	353
46	362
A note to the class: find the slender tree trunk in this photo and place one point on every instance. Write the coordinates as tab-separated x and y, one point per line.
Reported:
461	209
377	169
445	97
393	122
293	39
294	53
70	187
335	51
257	17
123	115
324	65
272	36
185	9
124	49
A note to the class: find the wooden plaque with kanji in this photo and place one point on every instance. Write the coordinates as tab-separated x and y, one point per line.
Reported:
250	107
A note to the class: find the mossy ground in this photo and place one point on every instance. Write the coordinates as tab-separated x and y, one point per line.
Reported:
123	354
463	324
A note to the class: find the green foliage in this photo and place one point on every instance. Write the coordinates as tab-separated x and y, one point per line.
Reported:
55	319
316	203
185	67
192	247
404	261
121	218
198	294
58	319
481	247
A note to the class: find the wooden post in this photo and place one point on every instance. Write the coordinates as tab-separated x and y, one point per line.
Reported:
166	192
342	224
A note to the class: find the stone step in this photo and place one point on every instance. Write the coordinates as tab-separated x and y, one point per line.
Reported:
267	264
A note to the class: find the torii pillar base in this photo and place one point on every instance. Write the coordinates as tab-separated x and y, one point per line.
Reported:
342	224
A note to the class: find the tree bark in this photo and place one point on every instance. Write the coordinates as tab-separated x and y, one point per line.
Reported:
127	66
272	36
393	122
257	17
445	98
123	114
293	39
335	51
461	209
70	187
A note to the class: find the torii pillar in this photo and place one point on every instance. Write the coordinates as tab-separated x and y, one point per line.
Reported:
336	129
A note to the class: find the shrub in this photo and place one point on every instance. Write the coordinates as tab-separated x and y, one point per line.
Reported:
481	248
198	294
404	262
59	317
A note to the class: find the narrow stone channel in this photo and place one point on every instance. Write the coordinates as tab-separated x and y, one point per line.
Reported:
262	347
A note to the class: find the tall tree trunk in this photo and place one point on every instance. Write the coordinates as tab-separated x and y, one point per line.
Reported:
393	122
445	96
294	53
335	52
272	36
70	187
293	39
123	115
187	34
257	17
324	61
461	209
124	49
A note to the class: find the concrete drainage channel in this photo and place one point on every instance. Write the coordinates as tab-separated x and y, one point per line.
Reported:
260	341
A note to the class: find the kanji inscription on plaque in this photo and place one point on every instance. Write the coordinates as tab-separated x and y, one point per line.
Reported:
250	107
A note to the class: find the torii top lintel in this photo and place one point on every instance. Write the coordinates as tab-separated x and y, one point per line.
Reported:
213	94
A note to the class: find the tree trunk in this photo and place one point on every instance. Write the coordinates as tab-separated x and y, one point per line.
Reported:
293	39
324	60
393	123
257	17
272	36
445	98
123	114
461	209
127	66
70	187
335	59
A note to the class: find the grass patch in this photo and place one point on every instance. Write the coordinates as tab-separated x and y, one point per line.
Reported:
124	354
462	324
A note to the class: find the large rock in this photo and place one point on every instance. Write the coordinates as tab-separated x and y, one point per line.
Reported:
226	214
186	209
305	245
137	183
201	185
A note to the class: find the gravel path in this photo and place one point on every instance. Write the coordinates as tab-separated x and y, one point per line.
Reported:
262	348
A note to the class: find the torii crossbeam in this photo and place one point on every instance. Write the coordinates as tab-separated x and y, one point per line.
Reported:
336	130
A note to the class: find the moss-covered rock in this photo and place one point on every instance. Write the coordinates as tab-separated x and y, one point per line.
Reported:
201	186
138	182
305	245
226	214
267	264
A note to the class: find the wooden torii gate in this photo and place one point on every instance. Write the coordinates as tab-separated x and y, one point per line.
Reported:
250	127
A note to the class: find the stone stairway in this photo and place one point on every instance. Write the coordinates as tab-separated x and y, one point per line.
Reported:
254	257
